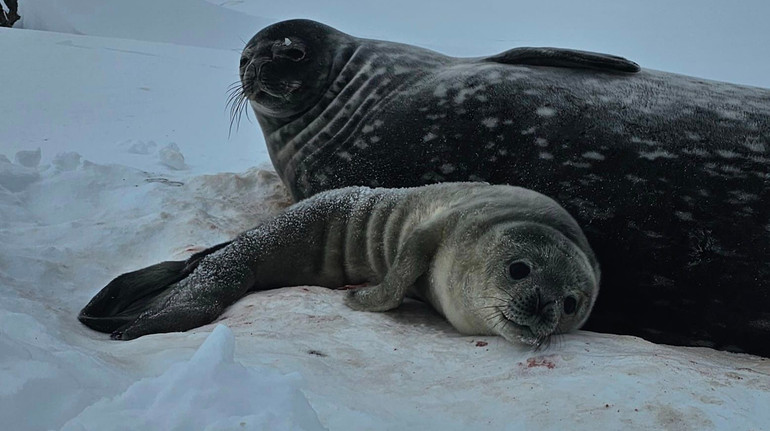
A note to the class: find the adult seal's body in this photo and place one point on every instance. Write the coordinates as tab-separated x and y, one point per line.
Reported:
492	259
667	174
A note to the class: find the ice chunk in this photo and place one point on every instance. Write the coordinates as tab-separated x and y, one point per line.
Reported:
16	178
171	156
67	161
210	391
28	158
139	147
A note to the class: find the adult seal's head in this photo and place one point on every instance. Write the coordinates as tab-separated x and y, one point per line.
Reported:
286	67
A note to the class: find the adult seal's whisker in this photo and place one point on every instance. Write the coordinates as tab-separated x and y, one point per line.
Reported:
236	103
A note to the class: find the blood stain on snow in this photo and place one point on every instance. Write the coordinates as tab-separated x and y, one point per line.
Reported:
541	361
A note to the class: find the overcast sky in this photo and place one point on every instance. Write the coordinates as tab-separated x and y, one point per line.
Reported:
725	40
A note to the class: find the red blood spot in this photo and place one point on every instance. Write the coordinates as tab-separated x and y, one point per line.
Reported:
540	362
481	343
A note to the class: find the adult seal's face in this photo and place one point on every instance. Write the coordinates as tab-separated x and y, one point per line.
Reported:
285	68
522	281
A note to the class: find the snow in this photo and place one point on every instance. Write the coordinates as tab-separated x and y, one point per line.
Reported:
135	167
206	392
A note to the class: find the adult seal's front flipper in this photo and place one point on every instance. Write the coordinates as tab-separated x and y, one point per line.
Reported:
569	58
130	295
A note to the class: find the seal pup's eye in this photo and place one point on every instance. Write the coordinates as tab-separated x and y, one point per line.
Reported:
518	270
570	305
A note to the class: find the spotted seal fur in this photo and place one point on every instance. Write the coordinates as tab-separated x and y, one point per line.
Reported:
667	174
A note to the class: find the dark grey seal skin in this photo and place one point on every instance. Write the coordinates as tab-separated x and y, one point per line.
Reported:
494	260
667	174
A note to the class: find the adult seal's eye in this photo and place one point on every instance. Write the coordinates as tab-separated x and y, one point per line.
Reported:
519	270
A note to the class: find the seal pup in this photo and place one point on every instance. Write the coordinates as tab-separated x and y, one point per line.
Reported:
667	174
496	260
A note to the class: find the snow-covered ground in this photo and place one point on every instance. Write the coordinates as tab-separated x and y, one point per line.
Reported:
127	105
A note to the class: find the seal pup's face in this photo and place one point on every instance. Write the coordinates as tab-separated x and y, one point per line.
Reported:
524	282
286	67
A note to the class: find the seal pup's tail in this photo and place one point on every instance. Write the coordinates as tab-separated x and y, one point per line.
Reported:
130	294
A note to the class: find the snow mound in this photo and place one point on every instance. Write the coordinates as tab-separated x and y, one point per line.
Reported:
16	177
211	391
28	158
138	147
44	378
172	157
67	161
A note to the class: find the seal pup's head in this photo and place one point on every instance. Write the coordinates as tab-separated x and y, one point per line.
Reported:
286	67
522	280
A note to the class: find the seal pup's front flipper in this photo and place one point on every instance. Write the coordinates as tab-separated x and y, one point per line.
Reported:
560	57
130	294
411	263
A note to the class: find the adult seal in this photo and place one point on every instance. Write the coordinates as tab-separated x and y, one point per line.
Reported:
496	260
667	174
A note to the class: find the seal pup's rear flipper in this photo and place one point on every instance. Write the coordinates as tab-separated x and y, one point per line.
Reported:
125	297
130	294
560	57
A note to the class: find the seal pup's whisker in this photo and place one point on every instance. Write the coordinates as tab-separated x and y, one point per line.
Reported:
495	320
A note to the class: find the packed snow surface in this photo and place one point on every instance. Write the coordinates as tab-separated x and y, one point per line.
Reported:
115	154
